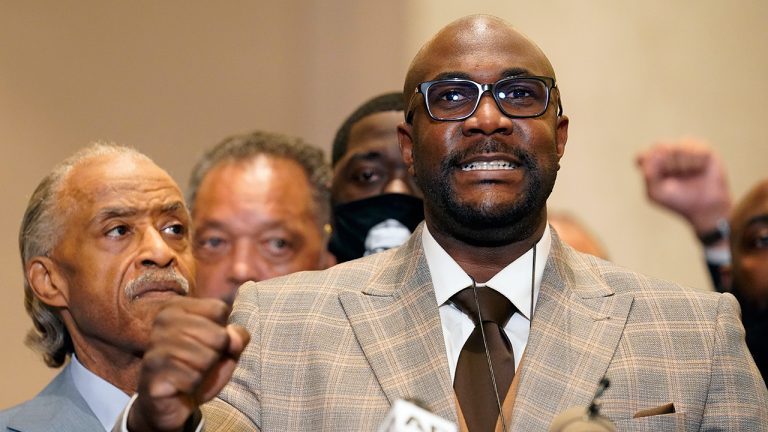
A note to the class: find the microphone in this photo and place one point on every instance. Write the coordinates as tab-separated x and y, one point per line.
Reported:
407	416
578	419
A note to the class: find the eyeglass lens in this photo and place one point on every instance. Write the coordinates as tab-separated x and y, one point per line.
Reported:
517	97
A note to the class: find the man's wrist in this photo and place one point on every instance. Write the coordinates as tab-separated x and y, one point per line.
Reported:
718	256
194	423
719	233
126	411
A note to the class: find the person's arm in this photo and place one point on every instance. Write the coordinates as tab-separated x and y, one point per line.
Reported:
688	178
193	354
737	398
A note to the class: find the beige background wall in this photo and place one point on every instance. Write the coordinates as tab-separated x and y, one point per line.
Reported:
175	77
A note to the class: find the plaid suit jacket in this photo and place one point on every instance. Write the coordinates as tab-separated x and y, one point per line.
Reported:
332	350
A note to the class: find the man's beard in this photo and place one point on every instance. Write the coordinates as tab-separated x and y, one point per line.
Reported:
489	223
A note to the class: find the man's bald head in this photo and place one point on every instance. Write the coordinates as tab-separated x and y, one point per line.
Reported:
468	35
525	129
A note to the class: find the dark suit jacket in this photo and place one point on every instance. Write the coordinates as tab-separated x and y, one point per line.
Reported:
59	407
332	350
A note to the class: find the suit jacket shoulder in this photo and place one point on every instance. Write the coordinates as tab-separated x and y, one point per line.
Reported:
58	406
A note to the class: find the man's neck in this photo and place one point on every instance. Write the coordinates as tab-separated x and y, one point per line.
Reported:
118	368
483	262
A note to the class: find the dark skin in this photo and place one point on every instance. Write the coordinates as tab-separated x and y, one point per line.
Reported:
187	367
749	247
194	353
485	50
372	164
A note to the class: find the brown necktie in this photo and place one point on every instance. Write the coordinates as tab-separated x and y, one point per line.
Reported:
473	383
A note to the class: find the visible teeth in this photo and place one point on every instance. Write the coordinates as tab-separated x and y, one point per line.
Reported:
492	165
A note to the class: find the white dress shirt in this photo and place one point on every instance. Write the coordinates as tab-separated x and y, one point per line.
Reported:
104	399
513	281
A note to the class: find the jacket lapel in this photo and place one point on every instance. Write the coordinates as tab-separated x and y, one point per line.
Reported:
396	321
576	329
58	407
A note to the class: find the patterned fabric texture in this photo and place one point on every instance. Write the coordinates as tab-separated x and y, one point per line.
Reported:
332	350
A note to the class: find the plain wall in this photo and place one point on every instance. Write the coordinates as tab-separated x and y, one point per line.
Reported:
175	77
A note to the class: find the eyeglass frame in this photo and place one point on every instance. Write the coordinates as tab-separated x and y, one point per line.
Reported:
424	87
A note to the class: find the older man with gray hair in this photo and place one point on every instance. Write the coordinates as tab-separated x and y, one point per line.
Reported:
105	242
260	204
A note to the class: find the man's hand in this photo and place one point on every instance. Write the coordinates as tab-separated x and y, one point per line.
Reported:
687	177
192	356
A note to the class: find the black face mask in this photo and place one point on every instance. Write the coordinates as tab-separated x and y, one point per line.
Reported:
373	225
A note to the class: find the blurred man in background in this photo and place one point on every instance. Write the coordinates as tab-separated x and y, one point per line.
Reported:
749	271
260	206
377	204
573	231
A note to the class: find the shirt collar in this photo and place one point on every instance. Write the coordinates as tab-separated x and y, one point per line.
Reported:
513	281
104	399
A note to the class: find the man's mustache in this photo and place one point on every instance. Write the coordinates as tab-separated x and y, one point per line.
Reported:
156	276
489	146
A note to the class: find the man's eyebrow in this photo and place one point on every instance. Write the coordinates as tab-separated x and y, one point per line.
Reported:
759	219
451	75
516	71
108	213
126	212
511	72
172	207
371	155
212	225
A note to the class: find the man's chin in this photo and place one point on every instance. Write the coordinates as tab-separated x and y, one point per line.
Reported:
493	225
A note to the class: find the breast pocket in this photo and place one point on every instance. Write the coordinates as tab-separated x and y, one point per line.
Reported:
665	422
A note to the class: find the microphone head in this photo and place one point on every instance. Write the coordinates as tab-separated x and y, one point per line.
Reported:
577	419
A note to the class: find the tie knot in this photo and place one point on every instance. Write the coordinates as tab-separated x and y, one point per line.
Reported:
493	305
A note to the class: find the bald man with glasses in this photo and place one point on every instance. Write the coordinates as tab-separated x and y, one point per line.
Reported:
484	315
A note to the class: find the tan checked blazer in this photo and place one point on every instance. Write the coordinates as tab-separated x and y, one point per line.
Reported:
332	350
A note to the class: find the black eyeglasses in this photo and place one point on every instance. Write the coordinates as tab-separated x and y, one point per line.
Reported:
457	99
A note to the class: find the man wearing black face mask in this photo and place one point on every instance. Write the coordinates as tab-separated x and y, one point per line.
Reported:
376	202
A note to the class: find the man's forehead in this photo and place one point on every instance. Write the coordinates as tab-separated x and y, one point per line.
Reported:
254	183
377	126
479	46
120	178
753	205
118	167
478	55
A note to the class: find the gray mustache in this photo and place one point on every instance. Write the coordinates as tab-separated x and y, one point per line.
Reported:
156	276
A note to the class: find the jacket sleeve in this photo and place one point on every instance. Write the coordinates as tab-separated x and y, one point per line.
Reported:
737	398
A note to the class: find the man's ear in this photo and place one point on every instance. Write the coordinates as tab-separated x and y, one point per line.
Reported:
327	258
405	139
47	282
561	134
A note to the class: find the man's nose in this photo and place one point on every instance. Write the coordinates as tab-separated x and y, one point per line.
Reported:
154	249
244	266
488	118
